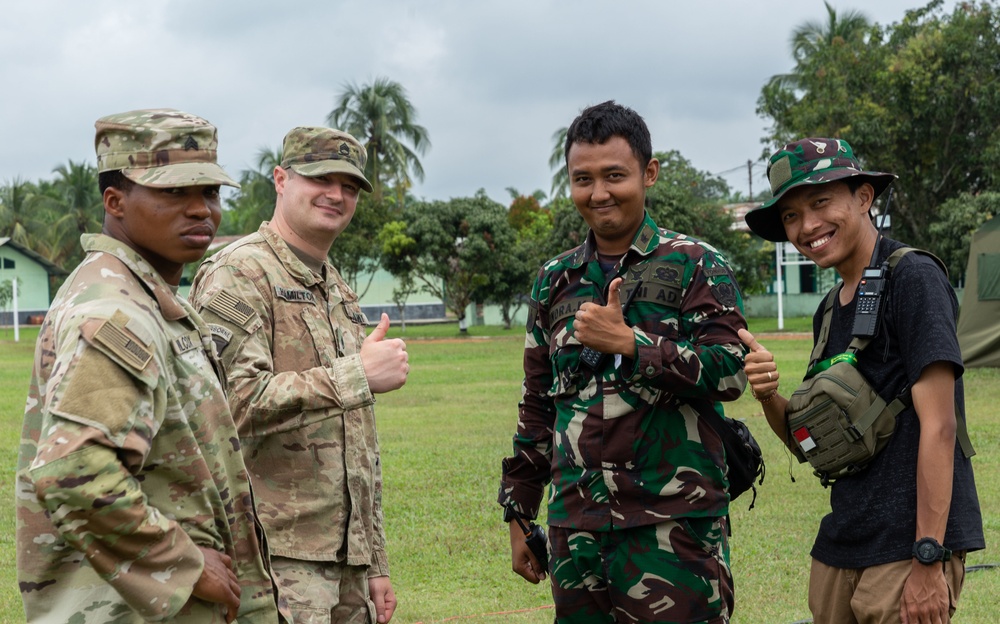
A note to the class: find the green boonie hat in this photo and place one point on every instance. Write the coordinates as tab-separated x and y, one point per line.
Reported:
160	148
317	151
807	161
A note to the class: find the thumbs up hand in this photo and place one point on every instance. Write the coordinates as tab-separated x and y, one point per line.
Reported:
762	372
384	360
602	327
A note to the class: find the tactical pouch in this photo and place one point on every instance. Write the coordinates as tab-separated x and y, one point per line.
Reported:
839	423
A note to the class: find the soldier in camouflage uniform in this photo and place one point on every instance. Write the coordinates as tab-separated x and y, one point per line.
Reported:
638	502
302	379
133	500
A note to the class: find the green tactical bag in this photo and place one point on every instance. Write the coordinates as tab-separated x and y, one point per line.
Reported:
836	420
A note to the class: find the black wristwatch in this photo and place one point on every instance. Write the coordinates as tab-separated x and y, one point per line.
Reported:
926	550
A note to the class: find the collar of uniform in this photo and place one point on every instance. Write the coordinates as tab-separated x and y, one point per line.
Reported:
287	257
170	307
645	241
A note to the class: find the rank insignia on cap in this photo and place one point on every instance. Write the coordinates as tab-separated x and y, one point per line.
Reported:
804	438
190	143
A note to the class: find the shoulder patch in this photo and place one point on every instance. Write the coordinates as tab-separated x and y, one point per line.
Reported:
111	334
294	295
724	293
231	308
221	336
715	271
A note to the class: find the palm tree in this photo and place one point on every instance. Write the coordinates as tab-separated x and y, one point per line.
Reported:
254	202
76	185
381	116
16	214
557	162
811	37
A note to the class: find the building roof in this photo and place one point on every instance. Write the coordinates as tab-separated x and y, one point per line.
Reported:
50	267
737	212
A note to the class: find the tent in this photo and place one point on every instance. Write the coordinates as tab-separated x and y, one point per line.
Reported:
979	319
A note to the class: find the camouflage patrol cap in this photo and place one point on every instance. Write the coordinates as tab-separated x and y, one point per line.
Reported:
316	151
160	148
807	161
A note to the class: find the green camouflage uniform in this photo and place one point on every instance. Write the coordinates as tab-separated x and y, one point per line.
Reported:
629	447
129	457
290	343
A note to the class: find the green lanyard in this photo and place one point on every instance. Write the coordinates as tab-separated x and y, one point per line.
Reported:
819	367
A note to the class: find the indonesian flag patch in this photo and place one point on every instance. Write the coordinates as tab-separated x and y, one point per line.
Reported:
804	439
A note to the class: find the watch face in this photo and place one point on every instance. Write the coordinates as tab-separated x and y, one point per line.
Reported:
927	551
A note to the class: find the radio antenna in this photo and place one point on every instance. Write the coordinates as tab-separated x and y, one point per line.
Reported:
880	226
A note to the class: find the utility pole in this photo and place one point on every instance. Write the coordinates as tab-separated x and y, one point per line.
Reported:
750	176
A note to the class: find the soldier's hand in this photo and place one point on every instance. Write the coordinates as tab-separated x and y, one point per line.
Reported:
602	327
384	359
218	582
380	590
762	372
523	561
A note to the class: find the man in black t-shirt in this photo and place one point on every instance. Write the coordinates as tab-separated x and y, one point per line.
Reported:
893	547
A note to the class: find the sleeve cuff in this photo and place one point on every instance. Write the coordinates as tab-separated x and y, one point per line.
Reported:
380	564
348	374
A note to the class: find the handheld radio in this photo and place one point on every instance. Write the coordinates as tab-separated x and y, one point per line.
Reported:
872	287
595	359
534	537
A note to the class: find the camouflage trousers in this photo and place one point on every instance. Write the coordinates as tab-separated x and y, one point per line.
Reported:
676	571
324	592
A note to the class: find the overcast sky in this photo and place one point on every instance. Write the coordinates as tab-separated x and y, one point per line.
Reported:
491	80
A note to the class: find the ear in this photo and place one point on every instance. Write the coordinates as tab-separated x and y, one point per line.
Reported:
652	172
280	177
114	202
865	195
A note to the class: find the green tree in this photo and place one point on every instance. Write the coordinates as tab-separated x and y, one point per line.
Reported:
17	218
919	98
960	218
79	196
381	116
451	248
254	202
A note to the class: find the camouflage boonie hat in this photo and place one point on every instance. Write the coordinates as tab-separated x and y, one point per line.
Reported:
807	161
160	148
316	151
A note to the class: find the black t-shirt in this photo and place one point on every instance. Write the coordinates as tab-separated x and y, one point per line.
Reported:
874	513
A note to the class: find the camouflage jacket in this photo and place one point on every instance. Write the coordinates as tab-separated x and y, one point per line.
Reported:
290	344
129	458
628	446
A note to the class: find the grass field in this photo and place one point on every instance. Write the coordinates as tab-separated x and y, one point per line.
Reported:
443	436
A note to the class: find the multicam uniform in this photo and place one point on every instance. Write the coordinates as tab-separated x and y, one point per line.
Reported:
629	449
129	457
290	343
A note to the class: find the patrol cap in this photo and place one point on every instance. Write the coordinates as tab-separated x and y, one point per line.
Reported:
160	148
807	161
315	151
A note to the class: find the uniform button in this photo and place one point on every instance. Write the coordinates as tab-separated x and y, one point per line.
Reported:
650	370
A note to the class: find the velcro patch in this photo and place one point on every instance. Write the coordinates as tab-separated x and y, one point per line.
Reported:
715	271
221	336
293	295
114	339
231	308
186	342
724	293
565	309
